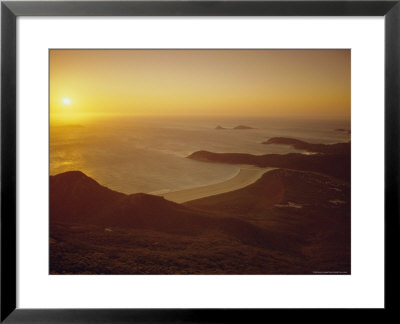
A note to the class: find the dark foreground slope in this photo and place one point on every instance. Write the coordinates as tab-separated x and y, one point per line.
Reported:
307	210
96	230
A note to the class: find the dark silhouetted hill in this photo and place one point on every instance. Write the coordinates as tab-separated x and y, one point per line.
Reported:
76	198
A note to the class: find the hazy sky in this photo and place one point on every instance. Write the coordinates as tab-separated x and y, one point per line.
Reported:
309	83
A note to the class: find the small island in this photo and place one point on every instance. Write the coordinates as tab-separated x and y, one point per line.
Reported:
242	127
343	130
238	127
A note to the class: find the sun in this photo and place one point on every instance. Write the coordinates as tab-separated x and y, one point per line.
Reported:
66	101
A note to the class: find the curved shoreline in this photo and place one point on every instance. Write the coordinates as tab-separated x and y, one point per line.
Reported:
246	176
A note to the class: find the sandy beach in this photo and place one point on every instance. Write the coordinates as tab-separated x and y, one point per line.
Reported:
246	176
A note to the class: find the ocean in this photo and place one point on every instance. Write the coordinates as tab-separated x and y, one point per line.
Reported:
148	154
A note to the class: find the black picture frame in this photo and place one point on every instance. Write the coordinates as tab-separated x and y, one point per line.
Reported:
10	10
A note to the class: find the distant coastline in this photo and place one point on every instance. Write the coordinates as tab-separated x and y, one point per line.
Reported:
330	159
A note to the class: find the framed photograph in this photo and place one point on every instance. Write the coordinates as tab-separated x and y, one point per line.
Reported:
198	161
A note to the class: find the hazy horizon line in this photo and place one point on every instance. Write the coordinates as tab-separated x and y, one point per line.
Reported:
113	115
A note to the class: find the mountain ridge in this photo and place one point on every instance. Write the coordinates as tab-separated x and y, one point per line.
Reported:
77	198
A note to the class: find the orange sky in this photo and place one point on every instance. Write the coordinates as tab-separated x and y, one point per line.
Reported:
309	83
